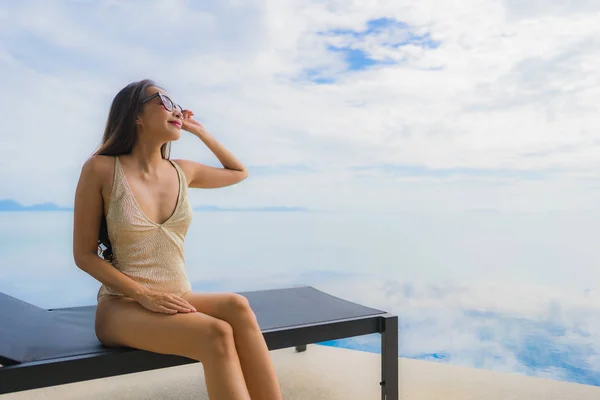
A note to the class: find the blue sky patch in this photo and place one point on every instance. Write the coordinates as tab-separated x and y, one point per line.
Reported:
315	76
380	25
354	48
356	59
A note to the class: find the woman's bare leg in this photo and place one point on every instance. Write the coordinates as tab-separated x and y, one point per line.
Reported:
123	322
252	349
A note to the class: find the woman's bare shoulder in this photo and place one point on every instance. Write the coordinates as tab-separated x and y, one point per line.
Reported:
98	168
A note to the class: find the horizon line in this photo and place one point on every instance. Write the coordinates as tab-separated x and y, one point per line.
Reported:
11	205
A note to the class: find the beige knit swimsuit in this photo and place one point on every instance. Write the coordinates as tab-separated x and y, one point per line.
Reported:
148	252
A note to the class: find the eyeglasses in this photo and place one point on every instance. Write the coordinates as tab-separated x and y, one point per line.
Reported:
166	101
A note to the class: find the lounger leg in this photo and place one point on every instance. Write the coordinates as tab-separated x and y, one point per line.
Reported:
301	348
389	358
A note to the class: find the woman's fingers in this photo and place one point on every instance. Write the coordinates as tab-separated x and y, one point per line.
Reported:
179	305
166	310
172	304
181	301
189	305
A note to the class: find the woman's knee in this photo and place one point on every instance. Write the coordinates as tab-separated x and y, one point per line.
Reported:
238	307
220	338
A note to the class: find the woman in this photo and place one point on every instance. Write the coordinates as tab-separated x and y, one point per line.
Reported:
132	200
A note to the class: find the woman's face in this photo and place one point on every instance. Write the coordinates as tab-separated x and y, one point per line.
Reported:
156	121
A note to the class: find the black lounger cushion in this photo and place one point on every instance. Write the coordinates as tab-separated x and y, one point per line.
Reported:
29	333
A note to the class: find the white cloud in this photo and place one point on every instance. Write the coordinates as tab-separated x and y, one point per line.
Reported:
511	86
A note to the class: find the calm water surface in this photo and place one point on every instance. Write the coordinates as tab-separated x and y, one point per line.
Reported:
513	293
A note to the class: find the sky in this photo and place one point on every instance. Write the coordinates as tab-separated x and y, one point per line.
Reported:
332	105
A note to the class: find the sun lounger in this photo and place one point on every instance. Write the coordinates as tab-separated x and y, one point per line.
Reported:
40	348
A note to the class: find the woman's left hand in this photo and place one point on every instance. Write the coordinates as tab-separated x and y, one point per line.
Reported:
189	123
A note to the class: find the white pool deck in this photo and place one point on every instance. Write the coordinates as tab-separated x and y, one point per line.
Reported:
328	373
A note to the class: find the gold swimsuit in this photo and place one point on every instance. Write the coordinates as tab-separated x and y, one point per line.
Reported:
148	252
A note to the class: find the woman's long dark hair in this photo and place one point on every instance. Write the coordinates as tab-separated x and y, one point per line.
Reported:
120	135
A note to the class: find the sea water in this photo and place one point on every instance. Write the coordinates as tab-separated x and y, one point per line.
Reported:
507	292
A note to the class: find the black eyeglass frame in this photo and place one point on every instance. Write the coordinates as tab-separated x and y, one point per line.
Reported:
165	100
